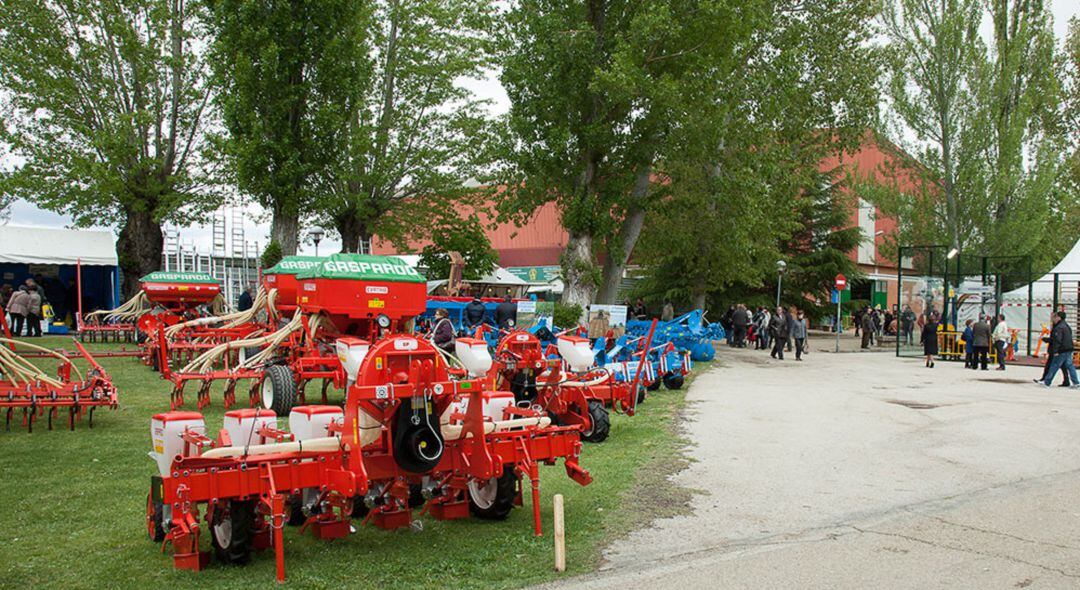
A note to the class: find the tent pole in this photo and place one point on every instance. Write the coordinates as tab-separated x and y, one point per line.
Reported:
78	293
1030	297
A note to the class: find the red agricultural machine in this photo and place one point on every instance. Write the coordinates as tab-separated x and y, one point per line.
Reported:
24	386
567	387
414	432
164	298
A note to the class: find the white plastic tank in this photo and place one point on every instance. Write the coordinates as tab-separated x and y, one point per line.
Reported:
243	425
165	431
577	352
474	354
351	352
308	422
494	404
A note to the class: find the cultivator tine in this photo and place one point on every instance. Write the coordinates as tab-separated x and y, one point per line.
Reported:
204	394
230	393
300	394
177	400
253	393
325	384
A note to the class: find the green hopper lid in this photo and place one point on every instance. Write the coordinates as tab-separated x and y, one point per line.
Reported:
293	265
363	267
163	276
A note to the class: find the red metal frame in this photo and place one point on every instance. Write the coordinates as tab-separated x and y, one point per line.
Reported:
80	398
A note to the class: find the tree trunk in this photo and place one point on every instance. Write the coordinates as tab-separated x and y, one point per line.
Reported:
579	283
629	232
353	231
138	249
285	229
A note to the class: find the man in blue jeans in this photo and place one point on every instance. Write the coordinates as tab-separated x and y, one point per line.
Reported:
1061	347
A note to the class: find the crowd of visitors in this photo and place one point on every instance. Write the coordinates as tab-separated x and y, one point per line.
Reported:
776	331
24	307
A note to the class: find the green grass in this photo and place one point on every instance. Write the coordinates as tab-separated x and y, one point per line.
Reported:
72	509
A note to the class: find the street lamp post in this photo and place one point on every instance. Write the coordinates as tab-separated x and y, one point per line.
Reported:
316	234
781	268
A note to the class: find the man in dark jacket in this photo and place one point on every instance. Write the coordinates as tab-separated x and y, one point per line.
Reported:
1061	348
778	330
474	313
866	323
739	322
245	302
980	336
506	313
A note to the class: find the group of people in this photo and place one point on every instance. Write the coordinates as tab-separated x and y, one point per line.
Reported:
979	335
638	311
1059	354
24	307
776	332
443	334
871	323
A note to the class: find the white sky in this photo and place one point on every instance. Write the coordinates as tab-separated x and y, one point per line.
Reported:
257	228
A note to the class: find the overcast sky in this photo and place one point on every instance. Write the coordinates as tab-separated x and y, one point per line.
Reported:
257	228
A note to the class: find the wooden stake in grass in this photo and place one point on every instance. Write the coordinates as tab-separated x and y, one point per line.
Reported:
560	535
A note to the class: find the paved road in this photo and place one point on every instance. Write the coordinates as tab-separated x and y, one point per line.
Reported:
866	471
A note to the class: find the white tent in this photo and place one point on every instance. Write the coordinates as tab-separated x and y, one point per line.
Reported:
36	245
1044	287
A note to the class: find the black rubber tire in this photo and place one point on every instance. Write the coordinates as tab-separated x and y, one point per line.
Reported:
247	352
503	504
154	530
655	385
641	396
359	507
296	511
241	514
601	423
283	387
416	496
674	381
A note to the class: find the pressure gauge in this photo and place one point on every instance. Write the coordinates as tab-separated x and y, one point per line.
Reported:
383	320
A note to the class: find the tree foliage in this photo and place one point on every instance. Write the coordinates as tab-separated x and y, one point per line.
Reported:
288	76
801	86
412	130
986	117
106	104
464	236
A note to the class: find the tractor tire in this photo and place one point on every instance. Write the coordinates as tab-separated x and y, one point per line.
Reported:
674	381
641	396
655	385
416	496
247	352
155	529
601	423
495	499
359	507
232	532
155	363
278	390
296	511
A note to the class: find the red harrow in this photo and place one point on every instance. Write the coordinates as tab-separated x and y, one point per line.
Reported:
24	386
414	433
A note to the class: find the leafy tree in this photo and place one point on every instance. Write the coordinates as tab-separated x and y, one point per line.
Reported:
412	130
466	237
596	89
105	105
986	120
288	74
801	86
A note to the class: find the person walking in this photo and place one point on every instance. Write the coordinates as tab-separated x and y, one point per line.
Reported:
763	328
799	331
668	312
1061	342
443	334
506	313
33	312
929	340
790	327
17	308
725	322
981	339
739	321
969	345
778	332
474	314
639	309
907	324
1000	337
867	326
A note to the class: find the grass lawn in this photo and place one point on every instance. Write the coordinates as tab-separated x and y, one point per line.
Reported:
72	508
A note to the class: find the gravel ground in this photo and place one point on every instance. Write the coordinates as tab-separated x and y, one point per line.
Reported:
866	471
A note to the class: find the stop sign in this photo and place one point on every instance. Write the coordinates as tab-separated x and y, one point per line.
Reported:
841	282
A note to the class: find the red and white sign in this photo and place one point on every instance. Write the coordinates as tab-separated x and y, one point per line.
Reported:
841	282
